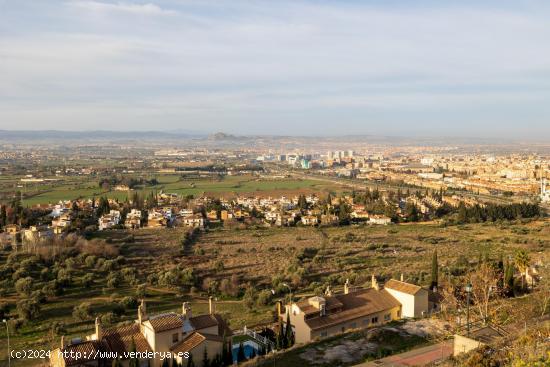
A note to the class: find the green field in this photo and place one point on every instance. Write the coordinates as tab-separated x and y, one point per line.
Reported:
77	187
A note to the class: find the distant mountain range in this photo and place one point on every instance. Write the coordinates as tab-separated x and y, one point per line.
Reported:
223	139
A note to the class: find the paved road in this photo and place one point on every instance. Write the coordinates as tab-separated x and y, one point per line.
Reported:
416	357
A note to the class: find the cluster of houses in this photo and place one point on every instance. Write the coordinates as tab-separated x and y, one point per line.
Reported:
153	337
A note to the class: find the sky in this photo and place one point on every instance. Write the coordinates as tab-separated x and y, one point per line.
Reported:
284	67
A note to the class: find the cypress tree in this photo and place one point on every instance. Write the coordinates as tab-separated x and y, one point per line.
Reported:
227	355
190	362
134	362
205	361
435	271
288	332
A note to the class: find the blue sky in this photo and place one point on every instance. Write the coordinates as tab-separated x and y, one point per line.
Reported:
452	68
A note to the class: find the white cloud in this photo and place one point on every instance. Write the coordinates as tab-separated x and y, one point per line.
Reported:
122	7
211	58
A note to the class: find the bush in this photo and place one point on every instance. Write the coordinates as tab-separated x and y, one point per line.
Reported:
28	309
88	280
129	303
141	291
23	286
83	311
113	280
58	328
108	318
52	289
264	297
90	261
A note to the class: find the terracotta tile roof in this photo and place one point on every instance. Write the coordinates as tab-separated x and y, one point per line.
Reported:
210	320
120	339
355	305
193	340
87	349
402	286
331	303
167	321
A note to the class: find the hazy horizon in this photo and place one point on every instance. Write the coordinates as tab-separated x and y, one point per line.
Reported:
287	68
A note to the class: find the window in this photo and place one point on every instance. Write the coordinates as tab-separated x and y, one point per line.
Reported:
323	334
365	321
374	320
387	317
175	338
353	325
399	314
343	329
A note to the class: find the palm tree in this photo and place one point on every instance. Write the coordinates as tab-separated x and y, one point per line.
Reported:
522	263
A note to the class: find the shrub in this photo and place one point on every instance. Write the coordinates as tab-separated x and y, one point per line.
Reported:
129	303
83	311
88	280
90	261
264	297
23	286
28	309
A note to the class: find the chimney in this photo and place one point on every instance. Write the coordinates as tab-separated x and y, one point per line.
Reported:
374	283
402	277
139	315
279	311
62	342
346	287
144	309
210	305
186	310
98	331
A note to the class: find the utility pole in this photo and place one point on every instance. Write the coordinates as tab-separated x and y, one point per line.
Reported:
8	334
468	291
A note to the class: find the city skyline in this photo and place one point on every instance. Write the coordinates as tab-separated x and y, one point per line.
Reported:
291	68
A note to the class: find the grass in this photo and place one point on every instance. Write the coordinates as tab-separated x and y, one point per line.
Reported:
82	187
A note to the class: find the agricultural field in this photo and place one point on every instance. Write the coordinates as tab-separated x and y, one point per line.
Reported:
239	267
73	187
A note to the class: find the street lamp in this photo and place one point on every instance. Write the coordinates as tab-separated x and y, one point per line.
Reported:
290	290
8	334
468	289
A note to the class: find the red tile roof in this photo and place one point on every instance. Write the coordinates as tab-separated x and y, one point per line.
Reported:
355	305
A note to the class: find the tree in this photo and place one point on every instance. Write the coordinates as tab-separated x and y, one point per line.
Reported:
205	361
3	216
484	283
134	362
522	261
190	362
23	286
83	311
435	271
174	363
227	355
28	309
509	279
411	212
288	337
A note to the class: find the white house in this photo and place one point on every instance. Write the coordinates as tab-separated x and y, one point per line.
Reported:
413	298
109	220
